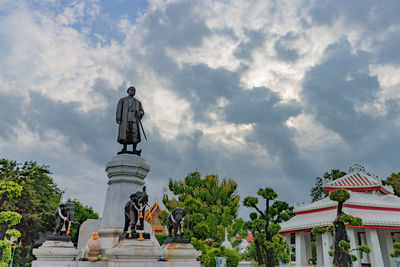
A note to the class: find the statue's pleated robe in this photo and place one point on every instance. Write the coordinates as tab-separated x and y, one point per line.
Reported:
129	111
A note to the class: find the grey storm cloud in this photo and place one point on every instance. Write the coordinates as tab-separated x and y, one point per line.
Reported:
335	92
256	40
283	50
372	17
375	15
10	110
262	108
79	128
339	85
176	26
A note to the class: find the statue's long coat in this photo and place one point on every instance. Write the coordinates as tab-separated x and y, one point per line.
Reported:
122	114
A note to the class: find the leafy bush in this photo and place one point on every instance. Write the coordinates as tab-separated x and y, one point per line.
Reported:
339	195
161	238
209	253
396	253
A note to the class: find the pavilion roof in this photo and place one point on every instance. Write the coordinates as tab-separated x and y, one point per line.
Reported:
377	210
358	180
366	199
370	218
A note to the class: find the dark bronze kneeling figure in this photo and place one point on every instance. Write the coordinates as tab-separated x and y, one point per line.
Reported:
175	223
64	220
135	210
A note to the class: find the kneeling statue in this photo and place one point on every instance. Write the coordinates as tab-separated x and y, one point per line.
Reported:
175	223
64	218
135	210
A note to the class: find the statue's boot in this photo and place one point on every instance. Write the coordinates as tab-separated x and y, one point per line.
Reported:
123	150
135	151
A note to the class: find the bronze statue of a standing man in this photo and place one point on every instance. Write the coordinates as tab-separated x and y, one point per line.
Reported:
129	114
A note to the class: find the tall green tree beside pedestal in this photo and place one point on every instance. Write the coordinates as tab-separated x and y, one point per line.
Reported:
8	190
341	251
211	206
39	199
270	246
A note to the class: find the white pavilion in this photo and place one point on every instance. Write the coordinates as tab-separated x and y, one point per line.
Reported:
370	200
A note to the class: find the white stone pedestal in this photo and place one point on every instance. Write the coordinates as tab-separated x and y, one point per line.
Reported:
134	253
55	254
126	173
181	255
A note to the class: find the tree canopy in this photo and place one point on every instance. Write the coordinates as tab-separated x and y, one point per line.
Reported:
211	206
269	246
318	192
38	201
394	181
8	190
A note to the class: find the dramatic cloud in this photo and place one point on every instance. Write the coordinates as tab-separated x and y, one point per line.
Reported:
272	92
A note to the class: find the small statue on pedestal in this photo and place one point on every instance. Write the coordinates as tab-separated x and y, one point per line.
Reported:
64	218
175	222
129	115
135	210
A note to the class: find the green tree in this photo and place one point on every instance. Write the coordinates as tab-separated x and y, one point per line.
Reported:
318	192
8	190
270	246
211	206
394	181
81	214
38	201
341	251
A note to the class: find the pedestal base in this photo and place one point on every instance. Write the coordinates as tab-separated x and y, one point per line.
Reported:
109	236
55	253
176	240
134	236
63	238
126	173
181	255
132	253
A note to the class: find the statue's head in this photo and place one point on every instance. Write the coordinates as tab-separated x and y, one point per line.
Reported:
178	214
131	91
140	197
69	207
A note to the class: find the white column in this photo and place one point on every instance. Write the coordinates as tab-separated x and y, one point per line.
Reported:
320	256
307	237
373	242
386	247
301	256
353	244
326	243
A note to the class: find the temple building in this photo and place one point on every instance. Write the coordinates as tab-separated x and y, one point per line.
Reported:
370	200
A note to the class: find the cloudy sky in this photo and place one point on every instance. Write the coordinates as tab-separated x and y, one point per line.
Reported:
268	93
